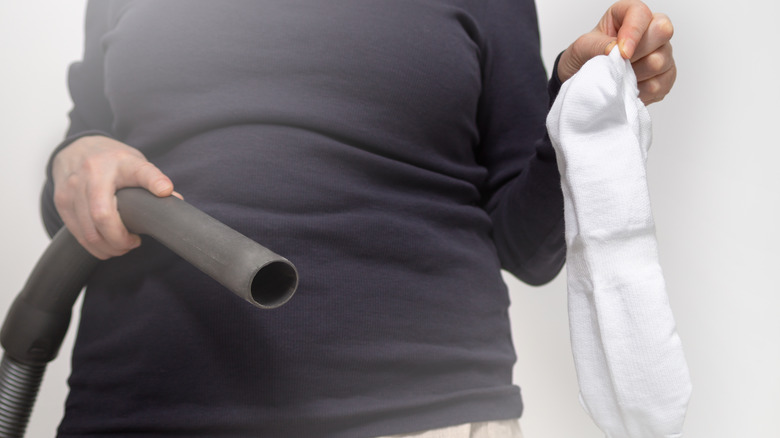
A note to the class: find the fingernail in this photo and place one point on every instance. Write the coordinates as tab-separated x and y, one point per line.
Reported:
161	187
137	243
610	47
627	48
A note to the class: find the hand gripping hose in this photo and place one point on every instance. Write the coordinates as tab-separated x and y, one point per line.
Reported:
39	316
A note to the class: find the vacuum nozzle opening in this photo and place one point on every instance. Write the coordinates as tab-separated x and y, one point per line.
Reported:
274	284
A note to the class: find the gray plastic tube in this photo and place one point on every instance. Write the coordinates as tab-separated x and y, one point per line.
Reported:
250	270
36	325
38	319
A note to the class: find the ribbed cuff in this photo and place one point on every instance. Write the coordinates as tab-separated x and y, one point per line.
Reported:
554	84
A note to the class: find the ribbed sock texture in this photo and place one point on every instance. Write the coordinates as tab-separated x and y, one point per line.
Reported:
632	373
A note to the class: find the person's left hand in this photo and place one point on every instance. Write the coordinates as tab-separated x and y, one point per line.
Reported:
642	36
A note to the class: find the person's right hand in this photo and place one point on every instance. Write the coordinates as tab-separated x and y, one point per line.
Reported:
86	174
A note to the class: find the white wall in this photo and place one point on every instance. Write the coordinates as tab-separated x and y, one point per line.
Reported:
38	39
712	180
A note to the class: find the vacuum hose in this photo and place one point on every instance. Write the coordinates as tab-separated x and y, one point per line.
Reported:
40	315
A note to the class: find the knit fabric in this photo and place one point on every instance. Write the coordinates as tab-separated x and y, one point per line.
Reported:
395	152
632	374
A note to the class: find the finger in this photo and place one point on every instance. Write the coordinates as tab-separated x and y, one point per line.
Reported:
141	173
632	19
103	230
72	208
66	207
72	223
105	217
655	89
610	46
658	34
583	49
654	64
84	230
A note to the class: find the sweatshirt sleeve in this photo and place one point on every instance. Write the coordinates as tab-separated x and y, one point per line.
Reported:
91	113
522	193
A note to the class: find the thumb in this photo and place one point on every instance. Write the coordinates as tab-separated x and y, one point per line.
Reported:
141	173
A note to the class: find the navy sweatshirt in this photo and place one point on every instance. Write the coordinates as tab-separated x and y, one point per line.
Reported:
394	151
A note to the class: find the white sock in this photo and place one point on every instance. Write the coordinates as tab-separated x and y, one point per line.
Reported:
632	374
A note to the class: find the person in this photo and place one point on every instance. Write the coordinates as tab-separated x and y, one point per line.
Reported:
394	151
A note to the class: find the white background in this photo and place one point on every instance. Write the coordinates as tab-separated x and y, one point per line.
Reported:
713	181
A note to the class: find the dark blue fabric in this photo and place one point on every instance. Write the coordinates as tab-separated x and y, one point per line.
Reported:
394	151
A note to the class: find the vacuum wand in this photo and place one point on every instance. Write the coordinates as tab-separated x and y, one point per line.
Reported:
40	315
250	270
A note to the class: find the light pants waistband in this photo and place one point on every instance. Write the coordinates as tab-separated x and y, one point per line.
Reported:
487	429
